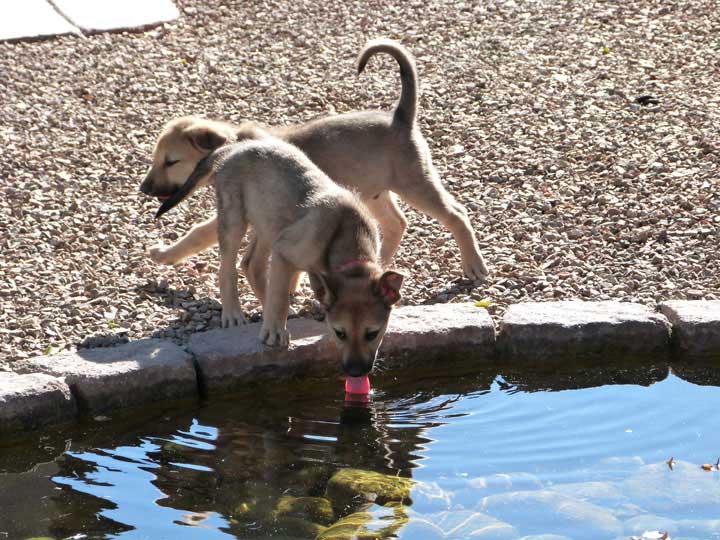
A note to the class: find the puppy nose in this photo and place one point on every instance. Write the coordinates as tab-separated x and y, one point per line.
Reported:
146	185
357	368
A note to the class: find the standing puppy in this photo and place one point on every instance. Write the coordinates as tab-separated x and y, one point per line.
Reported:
307	223
375	153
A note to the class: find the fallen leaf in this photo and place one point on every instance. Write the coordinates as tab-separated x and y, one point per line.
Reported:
484	303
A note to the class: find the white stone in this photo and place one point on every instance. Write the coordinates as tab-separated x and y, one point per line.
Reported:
117	14
31	19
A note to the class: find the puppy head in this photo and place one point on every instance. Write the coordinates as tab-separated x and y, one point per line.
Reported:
357	312
181	145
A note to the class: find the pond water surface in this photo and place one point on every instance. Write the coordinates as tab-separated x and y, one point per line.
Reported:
497	455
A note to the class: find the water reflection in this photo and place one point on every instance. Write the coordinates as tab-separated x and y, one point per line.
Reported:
218	471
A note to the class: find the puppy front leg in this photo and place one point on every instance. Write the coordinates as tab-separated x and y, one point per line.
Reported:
200	237
230	237
277	303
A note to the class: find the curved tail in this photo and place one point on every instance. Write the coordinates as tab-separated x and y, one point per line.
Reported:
406	109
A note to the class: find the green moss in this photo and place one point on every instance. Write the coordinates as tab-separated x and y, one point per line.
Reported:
310	481
315	509
350	488
295	527
378	525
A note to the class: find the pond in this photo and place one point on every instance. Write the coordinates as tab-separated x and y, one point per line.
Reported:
503	454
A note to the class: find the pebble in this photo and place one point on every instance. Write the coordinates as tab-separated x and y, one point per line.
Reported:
540	148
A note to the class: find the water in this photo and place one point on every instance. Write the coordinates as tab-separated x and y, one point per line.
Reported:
497	455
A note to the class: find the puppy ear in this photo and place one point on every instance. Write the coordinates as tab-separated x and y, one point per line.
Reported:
324	292
205	138
388	287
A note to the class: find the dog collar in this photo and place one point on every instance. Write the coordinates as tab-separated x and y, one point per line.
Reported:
352	263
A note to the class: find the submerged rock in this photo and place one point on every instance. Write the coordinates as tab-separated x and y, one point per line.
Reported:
684	490
649	522
499	483
602	493
699	528
311	480
429	497
315	509
546	537
548	512
379	524
457	524
293	527
350	488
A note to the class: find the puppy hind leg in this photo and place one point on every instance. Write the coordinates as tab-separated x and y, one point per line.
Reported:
294	283
392	223
255	264
230	234
428	195
198	238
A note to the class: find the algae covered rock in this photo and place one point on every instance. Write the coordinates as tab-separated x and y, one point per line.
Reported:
349	488
293	527
315	509
379	524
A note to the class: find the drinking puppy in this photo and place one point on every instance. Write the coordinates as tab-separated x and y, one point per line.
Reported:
305	222
375	153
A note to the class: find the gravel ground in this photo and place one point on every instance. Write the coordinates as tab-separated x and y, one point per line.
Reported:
577	188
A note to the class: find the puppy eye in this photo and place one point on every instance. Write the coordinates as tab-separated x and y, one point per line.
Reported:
370	335
171	162
342	336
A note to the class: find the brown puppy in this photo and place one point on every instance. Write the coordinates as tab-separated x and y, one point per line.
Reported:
307	223
376	154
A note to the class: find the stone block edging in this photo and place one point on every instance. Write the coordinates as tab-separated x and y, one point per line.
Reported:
696	325
137	373
227	359
545	330
50	389
33	400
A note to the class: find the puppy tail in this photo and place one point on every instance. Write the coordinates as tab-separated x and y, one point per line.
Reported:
204	168
406	109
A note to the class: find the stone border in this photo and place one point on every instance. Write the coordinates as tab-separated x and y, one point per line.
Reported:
50	389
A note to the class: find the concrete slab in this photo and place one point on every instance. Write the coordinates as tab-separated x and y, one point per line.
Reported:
137	373
228	359
31	401
92	15
577	329
696	325
31	19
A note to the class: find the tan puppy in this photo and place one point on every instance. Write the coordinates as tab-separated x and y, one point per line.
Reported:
307	223
373	153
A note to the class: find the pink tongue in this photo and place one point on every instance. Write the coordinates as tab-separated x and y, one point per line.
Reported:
357	385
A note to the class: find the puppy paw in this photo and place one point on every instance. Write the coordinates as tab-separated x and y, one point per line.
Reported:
475	268
161	255
274	334
232	316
